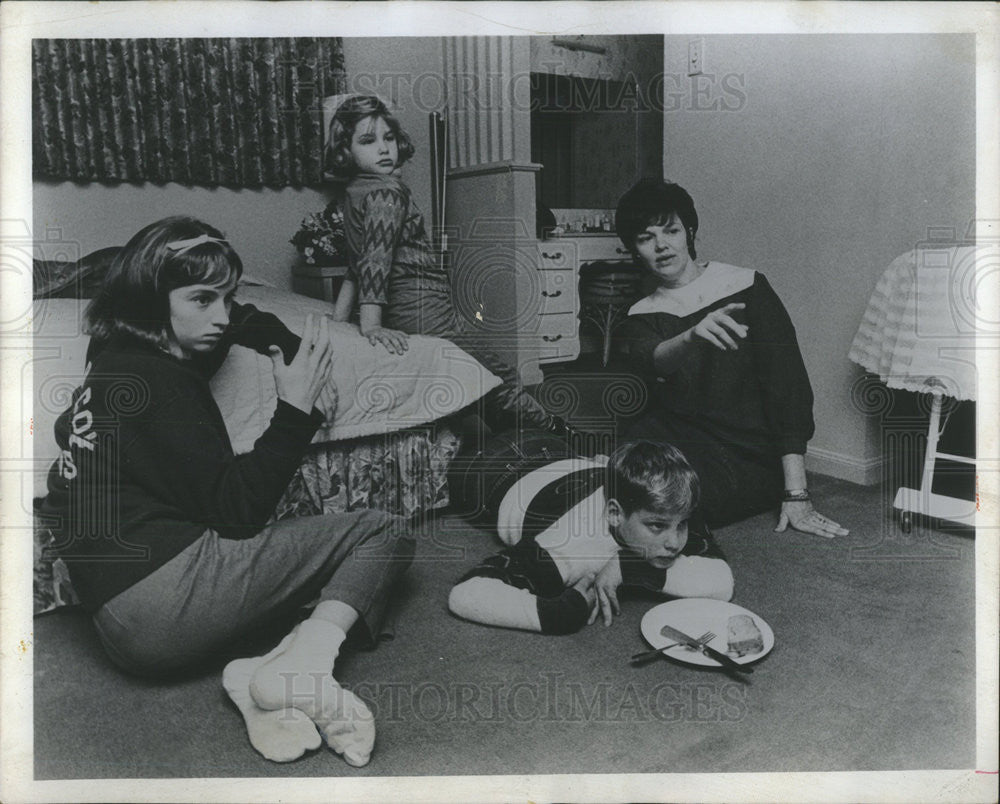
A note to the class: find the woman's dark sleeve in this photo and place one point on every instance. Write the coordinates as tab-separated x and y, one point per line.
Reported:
788	396
638	338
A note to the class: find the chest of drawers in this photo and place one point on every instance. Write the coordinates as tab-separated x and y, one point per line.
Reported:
559	262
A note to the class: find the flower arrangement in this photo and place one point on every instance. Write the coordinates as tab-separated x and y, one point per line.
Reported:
320	238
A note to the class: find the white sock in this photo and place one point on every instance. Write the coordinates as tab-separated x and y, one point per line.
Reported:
301	677
280	735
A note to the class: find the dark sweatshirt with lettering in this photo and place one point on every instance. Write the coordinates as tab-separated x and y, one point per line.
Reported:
146	465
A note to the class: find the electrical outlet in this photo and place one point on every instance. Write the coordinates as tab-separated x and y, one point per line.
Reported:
696	55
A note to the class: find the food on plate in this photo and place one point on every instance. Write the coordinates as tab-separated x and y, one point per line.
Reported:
744	635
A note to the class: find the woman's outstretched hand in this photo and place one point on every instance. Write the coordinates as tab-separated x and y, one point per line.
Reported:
720	329
801	515
302	381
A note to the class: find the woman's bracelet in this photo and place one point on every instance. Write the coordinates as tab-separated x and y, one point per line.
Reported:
796	495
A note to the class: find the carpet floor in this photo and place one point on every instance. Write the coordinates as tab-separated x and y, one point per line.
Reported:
873	668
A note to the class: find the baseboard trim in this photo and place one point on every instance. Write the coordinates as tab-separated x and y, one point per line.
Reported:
845	467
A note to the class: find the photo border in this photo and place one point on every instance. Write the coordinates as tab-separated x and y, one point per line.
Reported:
21	21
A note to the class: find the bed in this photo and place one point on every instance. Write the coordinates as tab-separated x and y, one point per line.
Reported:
389	448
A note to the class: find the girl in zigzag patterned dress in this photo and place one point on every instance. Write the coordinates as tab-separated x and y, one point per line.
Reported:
393	277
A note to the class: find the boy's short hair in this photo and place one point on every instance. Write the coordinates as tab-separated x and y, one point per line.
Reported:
652	476
337	155
134	299
652	202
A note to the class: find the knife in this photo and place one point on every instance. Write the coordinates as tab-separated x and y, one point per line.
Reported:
711	653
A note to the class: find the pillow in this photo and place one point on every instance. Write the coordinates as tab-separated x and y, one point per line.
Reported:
54	279
378	392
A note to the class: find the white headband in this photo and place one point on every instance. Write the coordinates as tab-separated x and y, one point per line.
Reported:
180	246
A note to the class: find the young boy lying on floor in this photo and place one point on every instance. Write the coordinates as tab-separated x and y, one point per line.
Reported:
635	529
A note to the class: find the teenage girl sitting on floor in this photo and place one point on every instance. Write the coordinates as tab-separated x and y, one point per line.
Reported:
164	529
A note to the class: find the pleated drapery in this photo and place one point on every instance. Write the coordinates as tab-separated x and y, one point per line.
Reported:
231	112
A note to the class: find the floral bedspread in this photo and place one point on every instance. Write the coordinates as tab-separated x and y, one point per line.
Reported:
404	472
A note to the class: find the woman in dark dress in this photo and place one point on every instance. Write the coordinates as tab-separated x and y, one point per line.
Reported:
728	385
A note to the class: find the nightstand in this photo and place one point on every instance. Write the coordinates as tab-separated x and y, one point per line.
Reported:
318	281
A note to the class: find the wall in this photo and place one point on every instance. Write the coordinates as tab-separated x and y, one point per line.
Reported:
818	159
258	222
407	72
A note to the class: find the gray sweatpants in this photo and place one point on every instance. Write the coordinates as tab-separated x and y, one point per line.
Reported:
219	590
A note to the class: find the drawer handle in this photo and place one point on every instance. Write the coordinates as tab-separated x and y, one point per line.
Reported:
551	338
556	256
620	250
548	295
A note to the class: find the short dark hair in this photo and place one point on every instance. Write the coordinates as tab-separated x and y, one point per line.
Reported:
651	476
134	297
337	156
652	202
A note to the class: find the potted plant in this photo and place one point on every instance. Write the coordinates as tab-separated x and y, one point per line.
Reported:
320	238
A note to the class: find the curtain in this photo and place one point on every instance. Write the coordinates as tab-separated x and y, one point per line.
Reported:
232	112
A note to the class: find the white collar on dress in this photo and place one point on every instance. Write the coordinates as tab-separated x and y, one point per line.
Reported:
717	281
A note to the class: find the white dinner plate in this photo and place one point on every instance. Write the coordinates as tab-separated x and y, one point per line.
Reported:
694	616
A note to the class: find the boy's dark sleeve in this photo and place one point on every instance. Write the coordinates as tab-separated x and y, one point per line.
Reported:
565	614
527	566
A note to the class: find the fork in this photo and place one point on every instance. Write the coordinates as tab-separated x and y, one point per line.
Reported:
645	656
